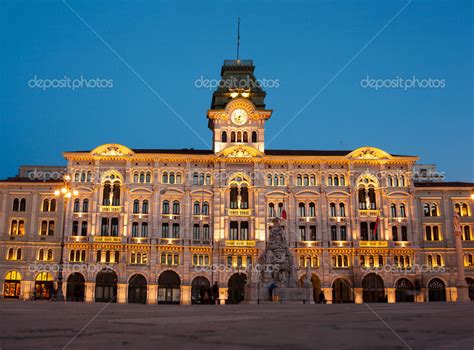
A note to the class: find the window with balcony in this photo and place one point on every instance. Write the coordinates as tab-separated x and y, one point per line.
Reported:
165	230
175	230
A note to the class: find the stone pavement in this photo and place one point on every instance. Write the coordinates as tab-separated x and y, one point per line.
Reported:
48	325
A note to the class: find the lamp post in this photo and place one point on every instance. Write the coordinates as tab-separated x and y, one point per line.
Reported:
65	192
461	285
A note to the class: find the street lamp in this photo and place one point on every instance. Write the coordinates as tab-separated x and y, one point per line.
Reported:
65	192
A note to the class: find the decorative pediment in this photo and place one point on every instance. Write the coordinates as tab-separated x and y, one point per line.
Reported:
369	153
241	151
112	150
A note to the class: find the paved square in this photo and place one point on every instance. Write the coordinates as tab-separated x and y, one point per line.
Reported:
48	325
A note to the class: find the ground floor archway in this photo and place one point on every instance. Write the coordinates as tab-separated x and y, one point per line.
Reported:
316	283
106	286
436	290
201	291
236	285
75	289
373	289
470	283
44	286
404	291
12	285
137	289
169	288
342	291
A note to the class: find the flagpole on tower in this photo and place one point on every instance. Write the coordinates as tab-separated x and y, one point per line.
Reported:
238	37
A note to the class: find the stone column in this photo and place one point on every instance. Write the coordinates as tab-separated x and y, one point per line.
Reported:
90	291
223	295
152	294
461	285
185	295
328	295
121	293
358	299
391	297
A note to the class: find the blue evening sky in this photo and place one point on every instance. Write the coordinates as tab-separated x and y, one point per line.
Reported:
303	44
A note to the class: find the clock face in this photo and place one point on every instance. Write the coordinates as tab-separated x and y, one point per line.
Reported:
239	116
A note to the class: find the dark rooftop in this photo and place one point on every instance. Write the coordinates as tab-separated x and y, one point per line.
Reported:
444	184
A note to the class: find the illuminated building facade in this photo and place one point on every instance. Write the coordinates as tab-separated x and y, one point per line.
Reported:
169	223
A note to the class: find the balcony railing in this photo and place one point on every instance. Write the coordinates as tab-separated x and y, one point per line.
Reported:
78	238
239	212
373	244
369	212
337	218
110	208
107	239
201	242
138	240
171	241
240	243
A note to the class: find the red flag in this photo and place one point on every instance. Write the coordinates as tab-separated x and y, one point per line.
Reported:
374	234
283	212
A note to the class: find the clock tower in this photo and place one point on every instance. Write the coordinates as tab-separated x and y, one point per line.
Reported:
237	115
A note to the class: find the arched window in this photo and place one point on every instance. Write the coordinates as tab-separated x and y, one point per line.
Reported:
89	176
299	180
312	180
332	208
395	181
52	205
172	178
393	210
245	137
144	229
77	205
342	180
271	210
46	205
232	136
269	180
49	256
23	204
362	201
166	207
239	136
426	209
312	210
389	181
145	206
178	178
164	177
85	205
402	181
176	207
208	179
196	208
77	176
83	177
205	208
465	210
195	179
16	204
282	180
372	198
434	209
275	180
301	210
135	229
106	193
254	136
329	180
402	211
342	210
142	177
336	181
136	206
148	177
306	180
135	177
224	136
41	255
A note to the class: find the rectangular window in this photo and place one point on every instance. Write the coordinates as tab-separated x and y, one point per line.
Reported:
234	230
205	232
75	228
312	233
84	228
175	230
196	232
44	228
51	228
334	233
302	232
343	233
165	230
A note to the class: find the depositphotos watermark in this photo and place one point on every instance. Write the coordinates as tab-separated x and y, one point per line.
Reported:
402	83
424	268
70	83
236	83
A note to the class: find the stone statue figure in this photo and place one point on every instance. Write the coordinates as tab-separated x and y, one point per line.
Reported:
367	200
239	201
457	229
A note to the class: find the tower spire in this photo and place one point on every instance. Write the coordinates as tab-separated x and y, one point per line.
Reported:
238	37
